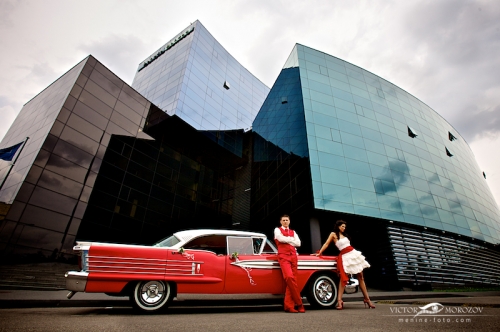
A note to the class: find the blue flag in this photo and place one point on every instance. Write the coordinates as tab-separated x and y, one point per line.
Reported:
10	152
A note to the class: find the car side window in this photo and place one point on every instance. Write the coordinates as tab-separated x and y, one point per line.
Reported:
240	245
261	245
215	243
257	244
269	248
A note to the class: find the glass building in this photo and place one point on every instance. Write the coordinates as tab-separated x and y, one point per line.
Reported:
380	158
199	142
195	78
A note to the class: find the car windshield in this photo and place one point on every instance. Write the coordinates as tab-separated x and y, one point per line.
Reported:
167	242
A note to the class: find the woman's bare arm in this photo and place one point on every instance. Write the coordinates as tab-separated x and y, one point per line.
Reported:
332	237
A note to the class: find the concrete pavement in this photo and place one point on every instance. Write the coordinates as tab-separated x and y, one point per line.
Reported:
57	298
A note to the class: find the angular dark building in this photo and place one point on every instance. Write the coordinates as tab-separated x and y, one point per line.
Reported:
69	126
197	141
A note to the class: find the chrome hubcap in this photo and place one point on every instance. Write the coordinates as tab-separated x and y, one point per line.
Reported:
324	290
152	292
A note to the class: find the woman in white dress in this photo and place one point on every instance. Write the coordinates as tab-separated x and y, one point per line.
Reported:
350	261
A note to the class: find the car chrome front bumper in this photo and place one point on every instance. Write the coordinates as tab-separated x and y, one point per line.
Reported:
76	281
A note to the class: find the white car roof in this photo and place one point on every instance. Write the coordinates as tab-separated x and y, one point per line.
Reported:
194	233
183	236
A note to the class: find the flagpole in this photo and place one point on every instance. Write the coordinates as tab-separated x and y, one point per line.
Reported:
13	163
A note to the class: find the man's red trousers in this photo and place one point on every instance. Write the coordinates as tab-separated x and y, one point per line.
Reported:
288	264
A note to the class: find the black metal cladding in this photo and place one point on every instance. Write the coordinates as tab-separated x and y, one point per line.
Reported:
148	189
424	257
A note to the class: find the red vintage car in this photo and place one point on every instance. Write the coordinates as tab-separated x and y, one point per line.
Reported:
201	262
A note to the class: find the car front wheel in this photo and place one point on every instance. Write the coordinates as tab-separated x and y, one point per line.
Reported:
151	295
322	291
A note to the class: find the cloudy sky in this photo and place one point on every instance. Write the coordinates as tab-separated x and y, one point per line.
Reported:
446	53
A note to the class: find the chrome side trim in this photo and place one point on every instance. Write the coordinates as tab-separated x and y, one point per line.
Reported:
125	272
125	265
170	261
257	264
317	265
142	266
315	268
184	268
76	281
118	266
141	259
302	264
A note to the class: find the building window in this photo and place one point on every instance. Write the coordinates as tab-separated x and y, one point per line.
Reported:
380	93
412	133
448	153
451	137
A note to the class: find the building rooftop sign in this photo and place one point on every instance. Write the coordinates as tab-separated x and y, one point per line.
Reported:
165	48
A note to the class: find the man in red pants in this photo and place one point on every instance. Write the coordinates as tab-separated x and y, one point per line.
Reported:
287	240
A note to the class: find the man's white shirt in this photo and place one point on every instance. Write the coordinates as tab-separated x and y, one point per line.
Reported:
293	240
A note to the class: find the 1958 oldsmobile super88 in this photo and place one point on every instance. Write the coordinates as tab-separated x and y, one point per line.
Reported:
198	261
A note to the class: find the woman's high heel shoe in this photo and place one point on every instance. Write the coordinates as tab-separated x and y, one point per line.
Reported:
340	305
369	304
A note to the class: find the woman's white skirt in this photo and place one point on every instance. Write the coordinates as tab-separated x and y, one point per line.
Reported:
354	262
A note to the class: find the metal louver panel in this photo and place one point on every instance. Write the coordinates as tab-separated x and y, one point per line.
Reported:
424	257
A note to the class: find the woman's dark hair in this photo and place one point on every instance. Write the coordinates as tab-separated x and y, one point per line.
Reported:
336	228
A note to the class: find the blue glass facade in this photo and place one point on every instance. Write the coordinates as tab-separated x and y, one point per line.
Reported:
364	160
281	179
199	81
281	119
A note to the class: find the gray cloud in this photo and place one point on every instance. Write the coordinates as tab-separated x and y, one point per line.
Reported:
121	54
477	123
7	8
458	43
42	72
4	101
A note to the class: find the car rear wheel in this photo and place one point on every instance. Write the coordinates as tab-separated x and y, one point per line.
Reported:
152	295
322	291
